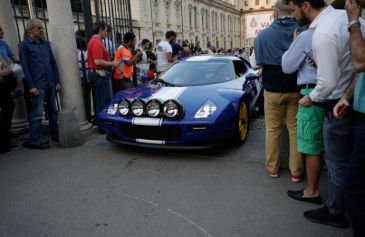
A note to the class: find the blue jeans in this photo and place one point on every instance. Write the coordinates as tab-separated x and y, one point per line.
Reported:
47	95
353	188
101	88
337	138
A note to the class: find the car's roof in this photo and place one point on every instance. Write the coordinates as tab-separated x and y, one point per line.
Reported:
206	57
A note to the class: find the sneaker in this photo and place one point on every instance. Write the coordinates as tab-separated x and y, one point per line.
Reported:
296	179
323	216
272	175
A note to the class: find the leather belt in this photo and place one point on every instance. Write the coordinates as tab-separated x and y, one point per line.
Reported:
307	86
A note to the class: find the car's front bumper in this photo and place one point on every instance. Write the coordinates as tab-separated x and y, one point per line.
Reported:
164	133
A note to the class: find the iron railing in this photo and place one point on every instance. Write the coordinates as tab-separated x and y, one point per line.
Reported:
116	13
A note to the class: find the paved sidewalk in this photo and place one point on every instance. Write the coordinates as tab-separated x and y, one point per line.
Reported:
100	189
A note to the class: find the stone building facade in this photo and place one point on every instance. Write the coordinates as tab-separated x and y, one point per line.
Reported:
198	21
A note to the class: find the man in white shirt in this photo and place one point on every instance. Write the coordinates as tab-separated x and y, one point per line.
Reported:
143	62
164	52
331	53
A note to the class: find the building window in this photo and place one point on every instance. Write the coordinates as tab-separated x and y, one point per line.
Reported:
202	12
214	21
246	4
207	20
257	2
190	17
195	18
267	1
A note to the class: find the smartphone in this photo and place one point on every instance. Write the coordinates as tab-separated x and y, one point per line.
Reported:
343	111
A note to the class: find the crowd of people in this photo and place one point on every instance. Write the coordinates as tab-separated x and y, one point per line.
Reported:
132	64
312	62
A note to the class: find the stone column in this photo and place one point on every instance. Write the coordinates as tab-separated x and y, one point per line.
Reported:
11	37
63	41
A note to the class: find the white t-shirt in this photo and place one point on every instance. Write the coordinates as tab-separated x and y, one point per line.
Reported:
161	50
82	57
143	64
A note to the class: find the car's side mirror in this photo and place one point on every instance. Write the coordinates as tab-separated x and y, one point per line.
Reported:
252	77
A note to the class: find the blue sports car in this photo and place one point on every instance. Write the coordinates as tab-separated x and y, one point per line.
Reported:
197	103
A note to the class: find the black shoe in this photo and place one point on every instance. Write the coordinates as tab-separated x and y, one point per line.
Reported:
5	151
43	140
35	146
14	147
55	139
299	195
322	216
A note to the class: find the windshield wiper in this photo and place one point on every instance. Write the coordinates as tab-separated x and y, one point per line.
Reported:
162	81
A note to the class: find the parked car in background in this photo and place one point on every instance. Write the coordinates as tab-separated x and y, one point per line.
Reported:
199	102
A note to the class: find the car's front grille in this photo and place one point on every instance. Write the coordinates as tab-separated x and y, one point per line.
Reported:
163	133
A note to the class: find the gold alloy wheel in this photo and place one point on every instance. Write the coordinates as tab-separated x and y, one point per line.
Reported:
243	121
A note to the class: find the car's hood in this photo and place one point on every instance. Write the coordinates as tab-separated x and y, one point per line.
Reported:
191	95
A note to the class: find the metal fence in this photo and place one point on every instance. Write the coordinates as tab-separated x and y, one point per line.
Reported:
116	13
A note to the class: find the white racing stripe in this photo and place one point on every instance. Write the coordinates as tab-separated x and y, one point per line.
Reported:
147	121
150	141
167	93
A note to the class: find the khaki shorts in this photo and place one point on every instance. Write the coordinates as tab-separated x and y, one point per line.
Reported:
309	128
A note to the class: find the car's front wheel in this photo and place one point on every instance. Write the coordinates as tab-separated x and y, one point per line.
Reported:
242	124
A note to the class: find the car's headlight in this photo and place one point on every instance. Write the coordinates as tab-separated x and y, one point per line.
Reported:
124	107
138	107
172	109
153	108
206	110
112	109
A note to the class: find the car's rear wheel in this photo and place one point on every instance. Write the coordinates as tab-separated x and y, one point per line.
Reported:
242	124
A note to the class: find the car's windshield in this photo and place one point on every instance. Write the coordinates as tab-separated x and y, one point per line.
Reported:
190	73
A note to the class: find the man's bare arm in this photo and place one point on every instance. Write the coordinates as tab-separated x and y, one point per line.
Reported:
357	43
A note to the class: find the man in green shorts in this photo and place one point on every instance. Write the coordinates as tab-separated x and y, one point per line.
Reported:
309	119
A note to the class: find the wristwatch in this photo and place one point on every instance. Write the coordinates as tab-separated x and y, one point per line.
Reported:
351	23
